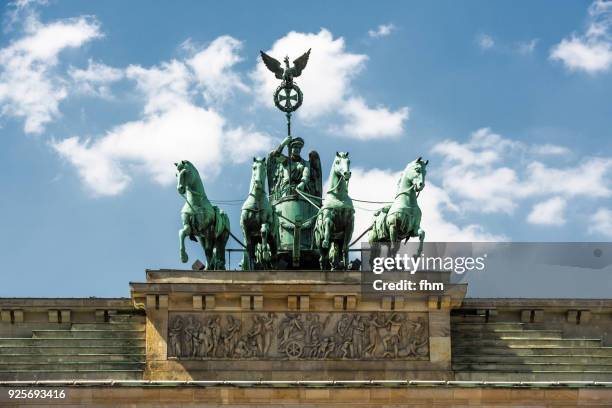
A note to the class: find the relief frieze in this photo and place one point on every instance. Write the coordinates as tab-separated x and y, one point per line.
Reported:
298	336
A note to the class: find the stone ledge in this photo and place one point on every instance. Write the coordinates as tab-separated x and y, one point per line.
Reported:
322	395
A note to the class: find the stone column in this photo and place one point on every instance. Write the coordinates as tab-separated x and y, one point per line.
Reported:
439	331
157	329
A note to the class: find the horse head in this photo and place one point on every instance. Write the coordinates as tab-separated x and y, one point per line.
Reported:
342	165
258	175
185	172
414	175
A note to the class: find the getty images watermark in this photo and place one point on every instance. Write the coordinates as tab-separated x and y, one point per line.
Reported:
413	263
487	266
406	268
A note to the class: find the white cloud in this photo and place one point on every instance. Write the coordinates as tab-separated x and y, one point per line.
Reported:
382	30
526	48
172	128
163	86
549	212
550	150
590	52
21	10
326	78
29	88
377	185
95	79
152	144
363	122
485	41
492	174
601	222
212	68
327	82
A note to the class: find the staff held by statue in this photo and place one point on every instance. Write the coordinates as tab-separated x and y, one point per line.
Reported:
288	96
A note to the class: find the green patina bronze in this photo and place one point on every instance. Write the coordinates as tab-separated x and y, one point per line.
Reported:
201	220
336	218
259	223
402	219
294	183
290	226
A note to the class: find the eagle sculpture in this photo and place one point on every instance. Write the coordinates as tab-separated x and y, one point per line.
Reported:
288	73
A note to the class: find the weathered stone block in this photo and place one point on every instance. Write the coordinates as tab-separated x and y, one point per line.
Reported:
585	316
100	316
304	302
440	349
65	316
292	302
53	316
6	316
245	302
432	302
445	302
18	316
525	316
151	301
257	302
338	302
197	302
538	316
163	301
386	302
351	302
439	324
572	316
209	302
399	302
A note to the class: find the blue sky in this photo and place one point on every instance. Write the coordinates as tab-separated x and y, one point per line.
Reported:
509	101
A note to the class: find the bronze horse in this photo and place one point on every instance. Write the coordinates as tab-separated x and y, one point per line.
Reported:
402	219
336	218
200	218
259	222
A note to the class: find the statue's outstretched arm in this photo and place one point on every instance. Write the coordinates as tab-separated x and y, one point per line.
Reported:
281	146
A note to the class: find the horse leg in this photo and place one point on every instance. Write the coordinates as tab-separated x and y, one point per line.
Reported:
220	250
421	235
208	248
273	248
333	255
327	229
249	254
348	234
324	258
265	245
184	232
393	236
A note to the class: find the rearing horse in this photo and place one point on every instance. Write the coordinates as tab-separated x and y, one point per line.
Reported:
336	218
402	219
259	222
200	218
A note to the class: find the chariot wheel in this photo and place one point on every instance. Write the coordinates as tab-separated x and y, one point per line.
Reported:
294	350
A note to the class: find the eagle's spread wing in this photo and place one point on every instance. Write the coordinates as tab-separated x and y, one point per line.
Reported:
273	65
300	63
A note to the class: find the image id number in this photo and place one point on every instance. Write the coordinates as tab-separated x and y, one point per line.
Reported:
36	394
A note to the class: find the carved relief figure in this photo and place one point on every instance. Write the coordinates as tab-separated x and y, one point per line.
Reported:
231	334
298	336
175	336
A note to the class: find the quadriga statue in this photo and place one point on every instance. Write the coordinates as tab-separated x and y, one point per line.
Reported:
201	220
336	218
259	222
402	219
